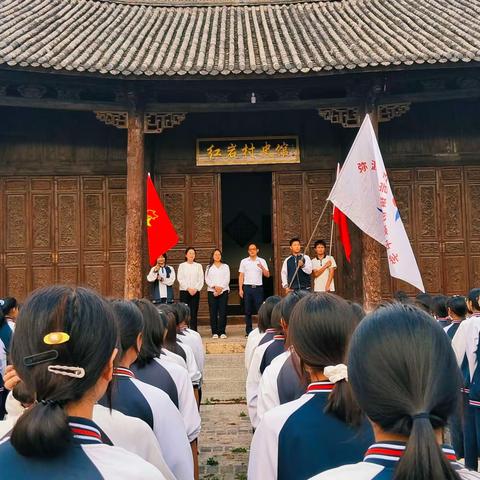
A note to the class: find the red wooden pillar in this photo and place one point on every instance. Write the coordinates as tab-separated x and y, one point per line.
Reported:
371	251
136	192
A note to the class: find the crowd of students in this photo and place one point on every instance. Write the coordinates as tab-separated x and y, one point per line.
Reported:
361	397
99	389
111	389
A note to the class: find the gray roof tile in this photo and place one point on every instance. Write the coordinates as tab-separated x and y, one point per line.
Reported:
154	39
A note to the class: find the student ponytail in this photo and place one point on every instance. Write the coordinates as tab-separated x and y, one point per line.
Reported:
47	362
320	329
405	377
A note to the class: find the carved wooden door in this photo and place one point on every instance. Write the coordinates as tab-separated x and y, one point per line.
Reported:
193	204
68	230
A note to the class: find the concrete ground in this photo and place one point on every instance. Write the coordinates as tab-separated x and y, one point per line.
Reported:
226	432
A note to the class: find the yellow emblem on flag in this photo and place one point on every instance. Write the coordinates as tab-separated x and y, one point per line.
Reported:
151	215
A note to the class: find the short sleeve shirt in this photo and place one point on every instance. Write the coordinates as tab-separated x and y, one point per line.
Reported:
251	271
321	281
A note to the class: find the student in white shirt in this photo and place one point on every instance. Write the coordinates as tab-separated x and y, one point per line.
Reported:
296	269
323	268
137	399
63	349
217	278
250	283
190	280
405	377
162	277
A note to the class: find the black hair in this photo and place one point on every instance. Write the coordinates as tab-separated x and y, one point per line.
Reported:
3	320
265	312
289	302
319	242
7	304
358	310
458	305
276	316
183	312
129	322
401	296
43	431
164	255
294	239
211	261
423	301
252	243
405	377
474	297
190	248
153	330
439	306
170	340
320	329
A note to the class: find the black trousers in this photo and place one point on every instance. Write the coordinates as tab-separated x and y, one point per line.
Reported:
218	312
192	301
252	299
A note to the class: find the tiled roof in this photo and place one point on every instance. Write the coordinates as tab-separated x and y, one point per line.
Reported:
152	40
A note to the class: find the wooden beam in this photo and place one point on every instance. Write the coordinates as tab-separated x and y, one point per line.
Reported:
136	193
371	256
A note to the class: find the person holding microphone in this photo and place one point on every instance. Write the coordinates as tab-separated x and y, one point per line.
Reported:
161	277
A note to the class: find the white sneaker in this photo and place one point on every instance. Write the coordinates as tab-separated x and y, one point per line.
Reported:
223	335
215	336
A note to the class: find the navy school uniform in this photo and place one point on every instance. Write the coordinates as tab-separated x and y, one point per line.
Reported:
298	440
451	329
380	461
138	399
160	372
276	348
87	458
280	384
269	334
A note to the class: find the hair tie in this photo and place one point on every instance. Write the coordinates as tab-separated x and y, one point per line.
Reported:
336	373
52	403
421	415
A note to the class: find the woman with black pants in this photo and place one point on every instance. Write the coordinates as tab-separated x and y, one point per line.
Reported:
217	278
190	279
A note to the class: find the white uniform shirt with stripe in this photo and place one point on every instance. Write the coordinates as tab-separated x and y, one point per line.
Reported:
190	275
3	358
194	339
168	427
268	397
173	357
111	462
320	282
253	382
218	277
186	398
465	342
192	368
253	340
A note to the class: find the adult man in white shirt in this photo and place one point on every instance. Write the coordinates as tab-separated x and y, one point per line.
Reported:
323	269
296	269
250	283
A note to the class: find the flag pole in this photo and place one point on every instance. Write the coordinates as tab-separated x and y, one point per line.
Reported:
331	237
310	240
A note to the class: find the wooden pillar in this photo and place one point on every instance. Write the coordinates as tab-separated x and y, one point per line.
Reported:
371	251
136	203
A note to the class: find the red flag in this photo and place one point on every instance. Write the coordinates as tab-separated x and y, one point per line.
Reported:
341	220
160	231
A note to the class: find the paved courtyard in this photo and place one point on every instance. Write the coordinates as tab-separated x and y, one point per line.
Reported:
226	432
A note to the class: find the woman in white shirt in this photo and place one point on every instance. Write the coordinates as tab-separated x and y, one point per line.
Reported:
190	279
217	278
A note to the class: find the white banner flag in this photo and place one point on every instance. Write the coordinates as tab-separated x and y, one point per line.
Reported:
363	193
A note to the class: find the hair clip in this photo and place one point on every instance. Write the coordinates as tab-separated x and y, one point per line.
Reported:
74	372
43	357
56	338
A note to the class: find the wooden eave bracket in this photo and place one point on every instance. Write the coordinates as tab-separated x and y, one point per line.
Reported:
154	122
350	117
